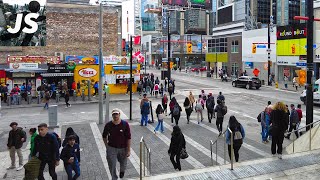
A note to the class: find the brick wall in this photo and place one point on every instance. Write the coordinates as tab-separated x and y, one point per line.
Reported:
74	30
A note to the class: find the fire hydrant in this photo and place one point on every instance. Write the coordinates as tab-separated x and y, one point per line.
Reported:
277	85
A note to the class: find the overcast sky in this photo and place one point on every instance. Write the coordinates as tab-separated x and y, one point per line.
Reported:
23	2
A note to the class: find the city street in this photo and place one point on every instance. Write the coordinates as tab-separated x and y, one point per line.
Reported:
244	104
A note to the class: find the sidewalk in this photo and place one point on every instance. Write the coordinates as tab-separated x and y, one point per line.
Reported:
113	98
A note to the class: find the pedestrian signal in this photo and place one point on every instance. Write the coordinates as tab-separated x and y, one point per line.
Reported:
302	77
189	48
254	49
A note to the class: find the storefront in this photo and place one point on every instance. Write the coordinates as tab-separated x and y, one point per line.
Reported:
118	77
288	65
58	73
84	74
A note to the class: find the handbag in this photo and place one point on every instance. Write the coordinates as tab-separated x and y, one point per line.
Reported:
161	116
183	154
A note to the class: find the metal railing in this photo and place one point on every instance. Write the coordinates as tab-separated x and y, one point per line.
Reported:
310	135
143	160
212	143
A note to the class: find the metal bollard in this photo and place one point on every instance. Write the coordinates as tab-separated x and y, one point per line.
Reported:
19	99
89	90
38	99
29	99
82	95
9	100
57	97
74	95
53	116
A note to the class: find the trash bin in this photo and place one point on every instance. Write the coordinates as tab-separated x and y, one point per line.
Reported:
208	74
53	116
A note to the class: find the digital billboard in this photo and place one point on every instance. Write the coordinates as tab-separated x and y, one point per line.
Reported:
201	4
225	15
175	2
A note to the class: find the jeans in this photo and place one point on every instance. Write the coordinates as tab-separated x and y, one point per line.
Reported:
210	115
199	113
52	170
264	132
277	141
219	123
144	119
176	163
12	152
114	155
236	149
46	106
160	125
75	167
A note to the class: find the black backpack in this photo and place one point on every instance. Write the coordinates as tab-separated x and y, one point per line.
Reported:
58	138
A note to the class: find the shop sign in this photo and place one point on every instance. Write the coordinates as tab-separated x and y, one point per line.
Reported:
248	65
22	74
297	31
34	59
83	59
57	68
123	76
87	72
23	65
115	60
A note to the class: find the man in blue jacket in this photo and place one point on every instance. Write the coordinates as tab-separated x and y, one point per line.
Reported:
70	155
47	148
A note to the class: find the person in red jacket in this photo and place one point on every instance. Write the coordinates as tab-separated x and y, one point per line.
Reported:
299	111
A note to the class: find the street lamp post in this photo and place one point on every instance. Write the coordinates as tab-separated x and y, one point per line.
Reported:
270	26
169	51
100	67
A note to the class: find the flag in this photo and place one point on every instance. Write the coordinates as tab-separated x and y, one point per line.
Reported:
136	54
137	40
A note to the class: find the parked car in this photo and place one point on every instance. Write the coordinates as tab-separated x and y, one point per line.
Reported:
316	94
195	69
247	82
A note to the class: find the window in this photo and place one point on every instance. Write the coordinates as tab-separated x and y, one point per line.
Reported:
218	45
235	47
234	68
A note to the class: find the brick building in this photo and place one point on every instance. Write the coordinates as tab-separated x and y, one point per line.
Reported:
73	29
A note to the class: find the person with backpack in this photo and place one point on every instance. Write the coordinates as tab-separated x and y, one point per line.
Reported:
46	145
176	145
299	111
294	121
199	108
210	107
165	103
238	134
33	133
171	106
221	110
220	97
70	132
176	112
188	108
145	110
170	89
264	119
17	136
160	116
117	139
279	124
70	155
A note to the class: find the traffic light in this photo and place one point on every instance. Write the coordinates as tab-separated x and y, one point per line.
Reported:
189	48
293	49
254	49
302	77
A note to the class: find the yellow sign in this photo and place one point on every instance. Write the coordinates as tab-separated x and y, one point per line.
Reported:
254	48
217	57
82	73
291	47
189	48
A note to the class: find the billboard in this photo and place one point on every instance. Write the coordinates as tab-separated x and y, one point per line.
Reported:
201	4
174	22
296	31
292	47
164	21
23	23
175	2
225	15
195	21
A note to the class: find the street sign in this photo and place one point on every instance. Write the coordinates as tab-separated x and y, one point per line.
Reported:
261	46
161	50
314	46
301	64
164	59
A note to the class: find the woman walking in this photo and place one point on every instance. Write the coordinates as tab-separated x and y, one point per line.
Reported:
238	136
176	145
188	108
66	98
279	124
199	108
191	99
160	115
165	104
171	106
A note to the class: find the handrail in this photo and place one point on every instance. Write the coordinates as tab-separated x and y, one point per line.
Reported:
303	127
211	145
231	149
143	163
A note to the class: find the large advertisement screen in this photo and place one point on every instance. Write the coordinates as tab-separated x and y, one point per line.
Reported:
296	31
225	15
201	3
175	2
195	21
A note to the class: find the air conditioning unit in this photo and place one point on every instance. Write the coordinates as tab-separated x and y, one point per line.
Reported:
60	54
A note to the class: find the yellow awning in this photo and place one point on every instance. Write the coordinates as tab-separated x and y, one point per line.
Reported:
217	57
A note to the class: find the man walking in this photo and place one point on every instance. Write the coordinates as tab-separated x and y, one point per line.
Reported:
46	144
221	110
15	141
210	107
294	120
145	110
117	138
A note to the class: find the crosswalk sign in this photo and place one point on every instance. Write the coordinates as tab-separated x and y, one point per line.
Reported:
189	48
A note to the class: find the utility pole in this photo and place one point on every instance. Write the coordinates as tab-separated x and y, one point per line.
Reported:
269	50
130	77
100	67
169	51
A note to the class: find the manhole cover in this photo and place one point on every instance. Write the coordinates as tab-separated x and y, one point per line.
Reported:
253	124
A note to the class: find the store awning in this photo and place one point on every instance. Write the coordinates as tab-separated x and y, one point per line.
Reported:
27	70
124	67
56	74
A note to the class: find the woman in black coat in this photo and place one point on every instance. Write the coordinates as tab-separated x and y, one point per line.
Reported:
177	143
188	108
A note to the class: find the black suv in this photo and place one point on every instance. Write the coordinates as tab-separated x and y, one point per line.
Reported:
247	82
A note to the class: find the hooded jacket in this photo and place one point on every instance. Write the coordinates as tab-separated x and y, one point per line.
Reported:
177	141
70	132
15	137
68	152
47	147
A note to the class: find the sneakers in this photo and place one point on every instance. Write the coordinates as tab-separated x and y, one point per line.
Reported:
20	167
121	174
11	167
280	156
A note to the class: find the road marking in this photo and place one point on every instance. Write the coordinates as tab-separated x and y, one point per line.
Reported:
256	150
135	160
191	160
101	147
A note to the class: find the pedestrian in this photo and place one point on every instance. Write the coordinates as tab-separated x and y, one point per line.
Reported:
285	82
46	145
78	87
279	124
299	111
199	108
70	155
188	108
46	100
140	88
17	136
293	121
220	97
156	90
128	88
70	132
264	119
176	145
96	88
171	106
5	93
238	136
176	112
66	98
221	110
160	116
145	110
210	103
191	99
203	95
173	86
117	138
170	89
157	81
161	89
165	104
33	133
165	84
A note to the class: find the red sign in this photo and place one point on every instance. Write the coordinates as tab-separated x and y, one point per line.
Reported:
2	77
256	72
34	59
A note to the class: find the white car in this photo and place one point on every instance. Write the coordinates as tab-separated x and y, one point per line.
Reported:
316	97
